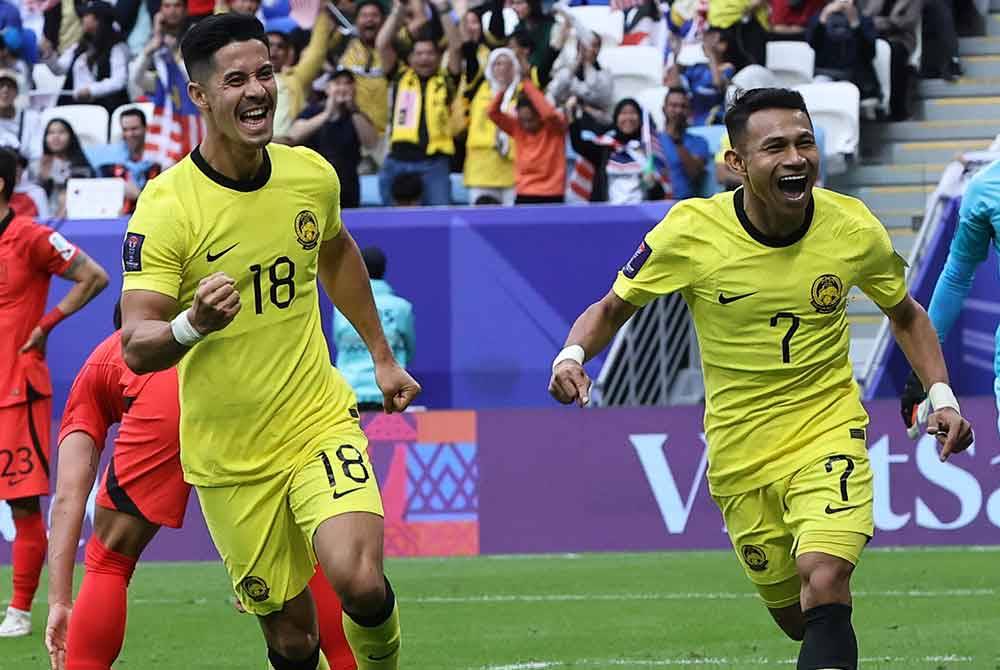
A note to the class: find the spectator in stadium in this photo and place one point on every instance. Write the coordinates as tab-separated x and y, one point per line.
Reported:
61	27
18	52
538	61
897	22
10	115
29	198
130	162
790	18
337	130
706	82
295	81
489	159
939	51
359	53
407	190
584	79
844	42
539	132
248	7
396	314
686	154
96	68
62	159
537	26
169	25
746	22
420	140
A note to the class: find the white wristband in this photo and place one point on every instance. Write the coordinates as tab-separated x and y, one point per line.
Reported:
941	396
573	352
185	334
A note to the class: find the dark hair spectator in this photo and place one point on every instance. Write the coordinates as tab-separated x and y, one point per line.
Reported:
62	159
359	53
131	162
707	82
10	115
584	79
685	154
844	42
407	189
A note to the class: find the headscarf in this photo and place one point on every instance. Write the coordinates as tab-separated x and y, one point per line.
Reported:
502	139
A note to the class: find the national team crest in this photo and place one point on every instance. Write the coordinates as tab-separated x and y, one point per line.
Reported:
827	293
255	588
306	229
754	557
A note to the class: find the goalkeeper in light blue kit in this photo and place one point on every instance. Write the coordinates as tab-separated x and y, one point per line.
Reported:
978	228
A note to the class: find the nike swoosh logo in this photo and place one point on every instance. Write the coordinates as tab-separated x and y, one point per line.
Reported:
725	300
211	258
382	658
834	510
15	482
337	495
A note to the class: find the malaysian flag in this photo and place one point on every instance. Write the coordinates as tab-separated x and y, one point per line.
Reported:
657	165
176	127
581	181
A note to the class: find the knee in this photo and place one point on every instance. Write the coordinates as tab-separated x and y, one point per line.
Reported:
827	582
363	592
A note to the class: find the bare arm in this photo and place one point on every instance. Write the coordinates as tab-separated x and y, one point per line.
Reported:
453	37
78	462
88	279
592	331
386	35
343	275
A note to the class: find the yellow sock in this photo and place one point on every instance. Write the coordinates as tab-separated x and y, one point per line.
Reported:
375	648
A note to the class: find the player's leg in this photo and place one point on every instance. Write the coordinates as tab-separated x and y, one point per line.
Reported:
27	557
97	625
829	507
335	500
329	615
763	545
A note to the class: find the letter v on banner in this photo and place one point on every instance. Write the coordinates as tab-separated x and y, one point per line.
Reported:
673	510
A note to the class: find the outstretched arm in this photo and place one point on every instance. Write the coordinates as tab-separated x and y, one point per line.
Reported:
386	35
589	335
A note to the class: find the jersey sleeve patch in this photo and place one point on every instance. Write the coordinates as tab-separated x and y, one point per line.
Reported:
631	269
132	252
63	246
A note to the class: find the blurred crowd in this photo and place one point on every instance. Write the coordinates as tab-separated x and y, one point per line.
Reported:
513	95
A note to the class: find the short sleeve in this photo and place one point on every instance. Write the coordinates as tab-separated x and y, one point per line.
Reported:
51	252
334	222
882	275
662	264
94	404
155	245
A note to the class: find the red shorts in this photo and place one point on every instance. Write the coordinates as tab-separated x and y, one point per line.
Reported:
24	448
147	483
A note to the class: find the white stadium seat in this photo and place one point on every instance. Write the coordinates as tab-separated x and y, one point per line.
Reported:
95	198
635	68
90	122
882	62
793	63
835	107
610	25
651	100
47	88
116	127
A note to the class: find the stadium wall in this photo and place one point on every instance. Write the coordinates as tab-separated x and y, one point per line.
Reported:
569	480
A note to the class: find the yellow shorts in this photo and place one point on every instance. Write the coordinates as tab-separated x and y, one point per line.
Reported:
263	530
824	507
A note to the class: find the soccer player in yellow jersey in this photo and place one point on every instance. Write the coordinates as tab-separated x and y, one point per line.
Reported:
766	272
221	263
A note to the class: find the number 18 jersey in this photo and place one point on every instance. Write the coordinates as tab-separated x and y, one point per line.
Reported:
255	395
771	320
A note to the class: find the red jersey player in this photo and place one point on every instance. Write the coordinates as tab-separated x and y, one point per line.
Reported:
29	255
143	488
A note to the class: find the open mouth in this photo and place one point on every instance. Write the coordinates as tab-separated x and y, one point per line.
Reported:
254	118
793	186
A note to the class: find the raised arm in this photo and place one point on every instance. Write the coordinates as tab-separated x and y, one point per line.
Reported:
386	36
502	119
343	275
452	35
589	335
548	113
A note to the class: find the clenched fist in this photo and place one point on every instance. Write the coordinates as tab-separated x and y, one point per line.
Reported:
216	303
570	383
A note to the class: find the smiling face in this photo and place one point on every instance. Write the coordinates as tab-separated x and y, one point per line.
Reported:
473	26
628	120
503	70
57	138
780	159
237	96
8	93
368	22
133	132
424	58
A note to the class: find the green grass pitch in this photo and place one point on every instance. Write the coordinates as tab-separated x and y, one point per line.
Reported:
935	609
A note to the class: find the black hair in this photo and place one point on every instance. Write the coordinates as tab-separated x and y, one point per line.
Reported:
522	37
98	47
745	103
375	3
375	261
212	33
487	200
622	104
676	89
523	101
136	112
74	152
407	187
8	172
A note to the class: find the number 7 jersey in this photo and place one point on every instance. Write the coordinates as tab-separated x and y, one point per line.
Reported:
771	320
257	394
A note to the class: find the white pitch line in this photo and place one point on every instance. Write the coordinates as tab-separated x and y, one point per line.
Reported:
710	661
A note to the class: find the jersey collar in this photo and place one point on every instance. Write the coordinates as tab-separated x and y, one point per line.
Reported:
258	181
5	222
767	241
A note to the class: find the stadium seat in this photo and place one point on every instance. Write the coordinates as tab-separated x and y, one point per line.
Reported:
116	128
635	68
651	100
95	198
883	57
835	107
610	25
791	62
47	88
370	195
90	122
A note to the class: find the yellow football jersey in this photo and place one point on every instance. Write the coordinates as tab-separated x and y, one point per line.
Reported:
256	394
772	326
